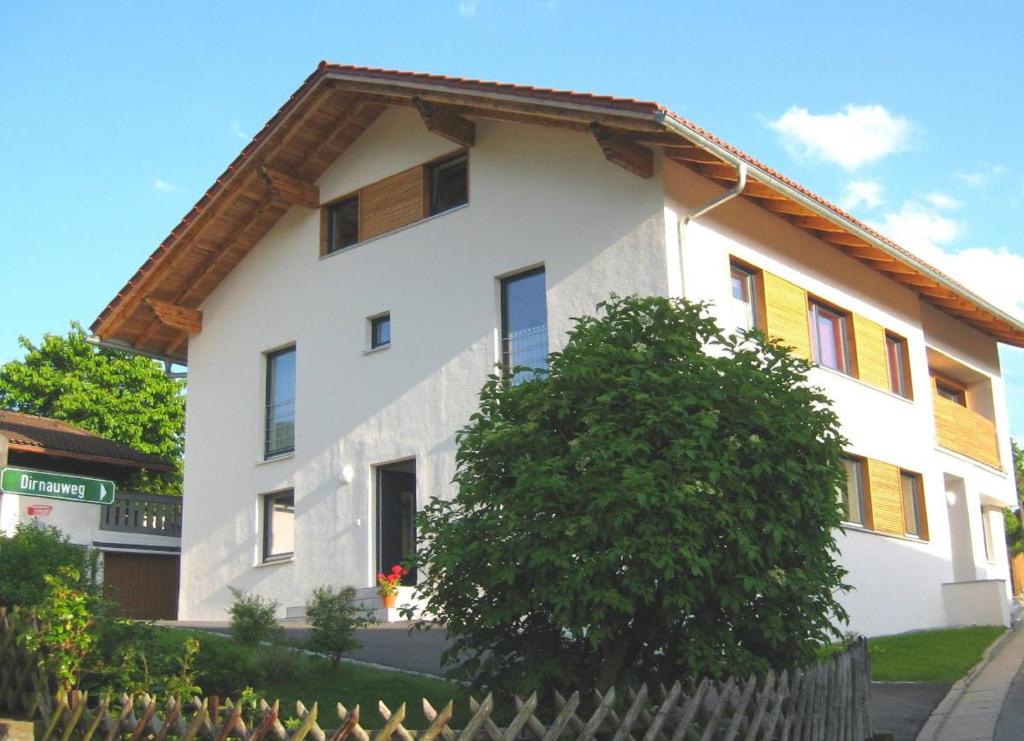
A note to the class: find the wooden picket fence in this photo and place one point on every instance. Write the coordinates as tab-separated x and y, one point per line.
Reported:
829	701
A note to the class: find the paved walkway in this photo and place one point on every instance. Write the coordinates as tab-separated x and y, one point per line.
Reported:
976	713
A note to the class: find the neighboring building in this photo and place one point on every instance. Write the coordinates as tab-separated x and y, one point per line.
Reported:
344	288
139	535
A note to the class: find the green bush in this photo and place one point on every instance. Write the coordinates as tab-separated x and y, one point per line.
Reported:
225	668
66	617
133	656
33	553
253	617
333	620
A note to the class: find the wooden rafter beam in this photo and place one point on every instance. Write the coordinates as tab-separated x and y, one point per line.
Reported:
444	121
176	316
291	189
623	151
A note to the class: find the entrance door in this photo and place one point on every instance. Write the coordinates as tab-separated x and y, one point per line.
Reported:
396	517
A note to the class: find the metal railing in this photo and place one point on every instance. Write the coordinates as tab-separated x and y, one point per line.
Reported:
150	514
526	347
280	428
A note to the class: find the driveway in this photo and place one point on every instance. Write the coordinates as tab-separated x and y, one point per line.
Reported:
901	708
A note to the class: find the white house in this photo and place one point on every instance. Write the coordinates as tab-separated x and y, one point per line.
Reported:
342	290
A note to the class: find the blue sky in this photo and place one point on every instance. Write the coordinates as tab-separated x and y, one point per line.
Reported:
115	117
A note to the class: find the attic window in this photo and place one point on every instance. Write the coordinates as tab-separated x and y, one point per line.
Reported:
449	184
342	224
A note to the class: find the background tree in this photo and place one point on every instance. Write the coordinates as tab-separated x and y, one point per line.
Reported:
121	396
1011	515
661	502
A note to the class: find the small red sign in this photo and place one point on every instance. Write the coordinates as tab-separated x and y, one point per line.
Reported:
40	509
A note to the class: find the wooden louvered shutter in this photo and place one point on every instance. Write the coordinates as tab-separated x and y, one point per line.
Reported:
786	314
869	344
391	203
886	498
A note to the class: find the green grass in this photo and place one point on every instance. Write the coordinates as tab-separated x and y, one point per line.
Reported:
928	655
314	681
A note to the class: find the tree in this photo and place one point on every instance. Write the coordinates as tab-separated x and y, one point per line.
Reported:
662	501
1011	515
121	396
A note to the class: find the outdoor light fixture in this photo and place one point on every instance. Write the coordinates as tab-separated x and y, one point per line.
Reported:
346	475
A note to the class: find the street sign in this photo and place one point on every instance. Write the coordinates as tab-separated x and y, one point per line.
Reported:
56	486
40	510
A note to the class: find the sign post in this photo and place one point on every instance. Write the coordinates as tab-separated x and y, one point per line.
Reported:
56	486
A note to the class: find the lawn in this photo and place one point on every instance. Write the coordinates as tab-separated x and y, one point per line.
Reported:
232	666
929	655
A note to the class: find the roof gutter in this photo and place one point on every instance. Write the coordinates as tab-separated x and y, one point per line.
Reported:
827	213
125	347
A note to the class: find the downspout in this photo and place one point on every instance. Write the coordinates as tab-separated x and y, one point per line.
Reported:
694	213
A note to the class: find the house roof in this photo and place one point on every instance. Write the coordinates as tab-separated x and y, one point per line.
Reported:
157	309
32	434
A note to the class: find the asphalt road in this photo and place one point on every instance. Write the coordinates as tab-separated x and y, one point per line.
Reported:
901	708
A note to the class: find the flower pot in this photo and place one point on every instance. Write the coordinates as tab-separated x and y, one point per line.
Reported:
389	600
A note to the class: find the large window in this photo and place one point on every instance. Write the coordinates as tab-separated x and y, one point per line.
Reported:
449	184
913	504
524	322
342	224
744	298
899	365
278	526
853	497
280	403
830	337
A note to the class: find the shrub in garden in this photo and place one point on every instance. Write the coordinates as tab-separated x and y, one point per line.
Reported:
333	618
65	637
660	502
253	617
32	553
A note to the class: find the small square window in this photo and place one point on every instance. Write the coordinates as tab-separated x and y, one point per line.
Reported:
380	331
278	526
449	184
951	390
899	366
342	224
830	342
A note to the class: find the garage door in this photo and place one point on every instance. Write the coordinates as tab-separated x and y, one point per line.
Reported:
144	585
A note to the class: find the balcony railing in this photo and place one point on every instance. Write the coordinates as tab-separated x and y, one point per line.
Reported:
963	431
149	514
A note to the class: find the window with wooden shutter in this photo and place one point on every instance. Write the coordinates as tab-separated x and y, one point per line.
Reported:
869	347
786	314
886	497
391	203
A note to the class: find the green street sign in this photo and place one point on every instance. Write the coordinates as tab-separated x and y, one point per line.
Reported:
56	486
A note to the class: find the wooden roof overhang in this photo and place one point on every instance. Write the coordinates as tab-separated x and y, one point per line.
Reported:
158	308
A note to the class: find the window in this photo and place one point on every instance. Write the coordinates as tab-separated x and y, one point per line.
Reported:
380	331
449	184
853	497
745	298
342	224
913	504
986	534
280	412
278	526
951	390
899	365
524	323
830	337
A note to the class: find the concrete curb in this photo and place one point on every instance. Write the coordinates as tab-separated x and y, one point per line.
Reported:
933	726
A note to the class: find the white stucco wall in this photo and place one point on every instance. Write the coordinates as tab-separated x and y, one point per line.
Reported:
897	581
537	196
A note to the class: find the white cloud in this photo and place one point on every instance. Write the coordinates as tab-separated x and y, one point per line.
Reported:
163	186
236	129
992	273
943	201
861	192
978	178
467	8
852	137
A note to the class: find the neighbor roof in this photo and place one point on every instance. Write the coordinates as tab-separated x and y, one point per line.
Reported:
155	311
32	434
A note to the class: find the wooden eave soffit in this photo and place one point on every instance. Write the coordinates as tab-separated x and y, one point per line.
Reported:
177	317
623	151
291	189
444	121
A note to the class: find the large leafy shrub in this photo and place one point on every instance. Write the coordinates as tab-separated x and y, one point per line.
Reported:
31	554
661	502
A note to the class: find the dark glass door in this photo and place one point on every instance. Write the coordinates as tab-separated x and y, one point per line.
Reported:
396	520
